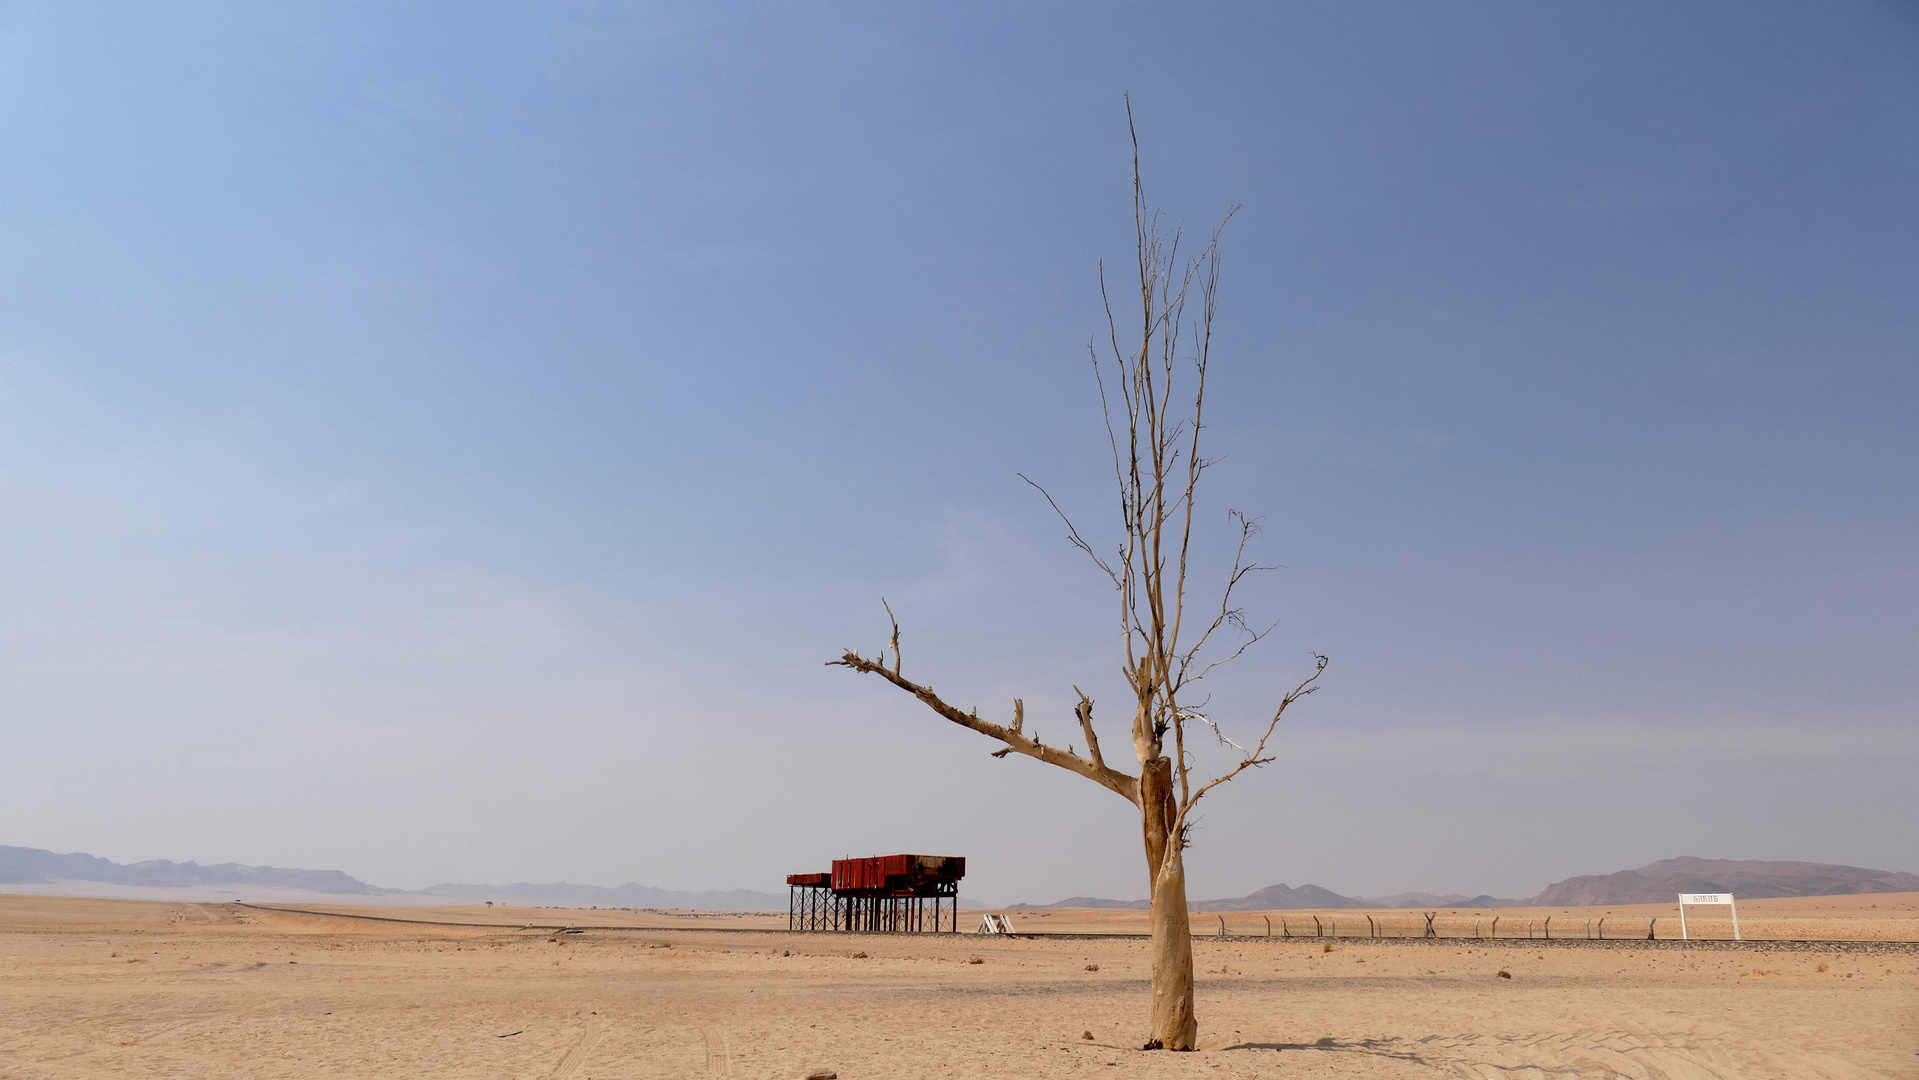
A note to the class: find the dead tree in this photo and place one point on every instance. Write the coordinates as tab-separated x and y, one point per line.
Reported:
1157	464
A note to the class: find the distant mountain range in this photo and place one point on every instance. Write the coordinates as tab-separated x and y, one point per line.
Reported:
1660	882
32	866
1655	883
1306	897
630	894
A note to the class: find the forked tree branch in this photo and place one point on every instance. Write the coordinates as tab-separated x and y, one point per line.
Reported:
1227	612
1258	755
1127	787
890	617
1084	710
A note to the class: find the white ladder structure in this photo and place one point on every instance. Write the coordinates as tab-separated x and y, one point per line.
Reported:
995	924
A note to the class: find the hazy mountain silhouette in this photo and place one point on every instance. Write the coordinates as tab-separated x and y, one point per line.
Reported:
1663	881
1655	883
631	894
1270	898
33	866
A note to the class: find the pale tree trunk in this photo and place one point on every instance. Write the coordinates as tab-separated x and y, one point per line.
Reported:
1175	1025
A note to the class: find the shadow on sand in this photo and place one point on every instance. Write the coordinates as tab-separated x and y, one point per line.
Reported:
1370	1047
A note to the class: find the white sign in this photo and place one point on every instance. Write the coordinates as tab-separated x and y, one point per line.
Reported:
1707	898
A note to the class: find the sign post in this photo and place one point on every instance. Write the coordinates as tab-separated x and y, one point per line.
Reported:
1707	898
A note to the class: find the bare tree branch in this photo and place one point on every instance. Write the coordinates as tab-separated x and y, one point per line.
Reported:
1071	532
1126	786
1084	710
1195	714
897	658
1258	756
1227	612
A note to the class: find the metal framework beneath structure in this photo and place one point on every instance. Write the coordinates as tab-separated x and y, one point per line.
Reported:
905	894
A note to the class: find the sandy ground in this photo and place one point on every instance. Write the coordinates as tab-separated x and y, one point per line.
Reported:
106	988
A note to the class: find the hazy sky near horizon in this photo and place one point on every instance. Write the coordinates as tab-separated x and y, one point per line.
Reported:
444	442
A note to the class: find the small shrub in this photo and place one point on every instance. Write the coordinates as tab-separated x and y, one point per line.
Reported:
859	956
1504	974
1327	947
977	960
1092	967
1821	968
1085	1034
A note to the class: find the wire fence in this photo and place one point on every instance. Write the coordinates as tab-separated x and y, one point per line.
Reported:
1437	925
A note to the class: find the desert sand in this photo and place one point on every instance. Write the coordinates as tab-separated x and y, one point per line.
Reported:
105	988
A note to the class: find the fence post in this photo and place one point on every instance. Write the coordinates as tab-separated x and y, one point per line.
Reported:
1495	926
1602	929
1318	930
1372	928
1549	928
1650	923
1429	923
1269	924
1475	927
1284	930
1529	929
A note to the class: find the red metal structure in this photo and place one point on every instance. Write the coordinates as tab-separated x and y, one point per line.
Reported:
882	893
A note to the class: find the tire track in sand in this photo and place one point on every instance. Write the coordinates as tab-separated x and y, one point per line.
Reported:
1623	1054
575	1059
1596	1054
718	1054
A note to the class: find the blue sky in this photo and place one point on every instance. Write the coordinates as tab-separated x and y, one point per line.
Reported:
444	441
